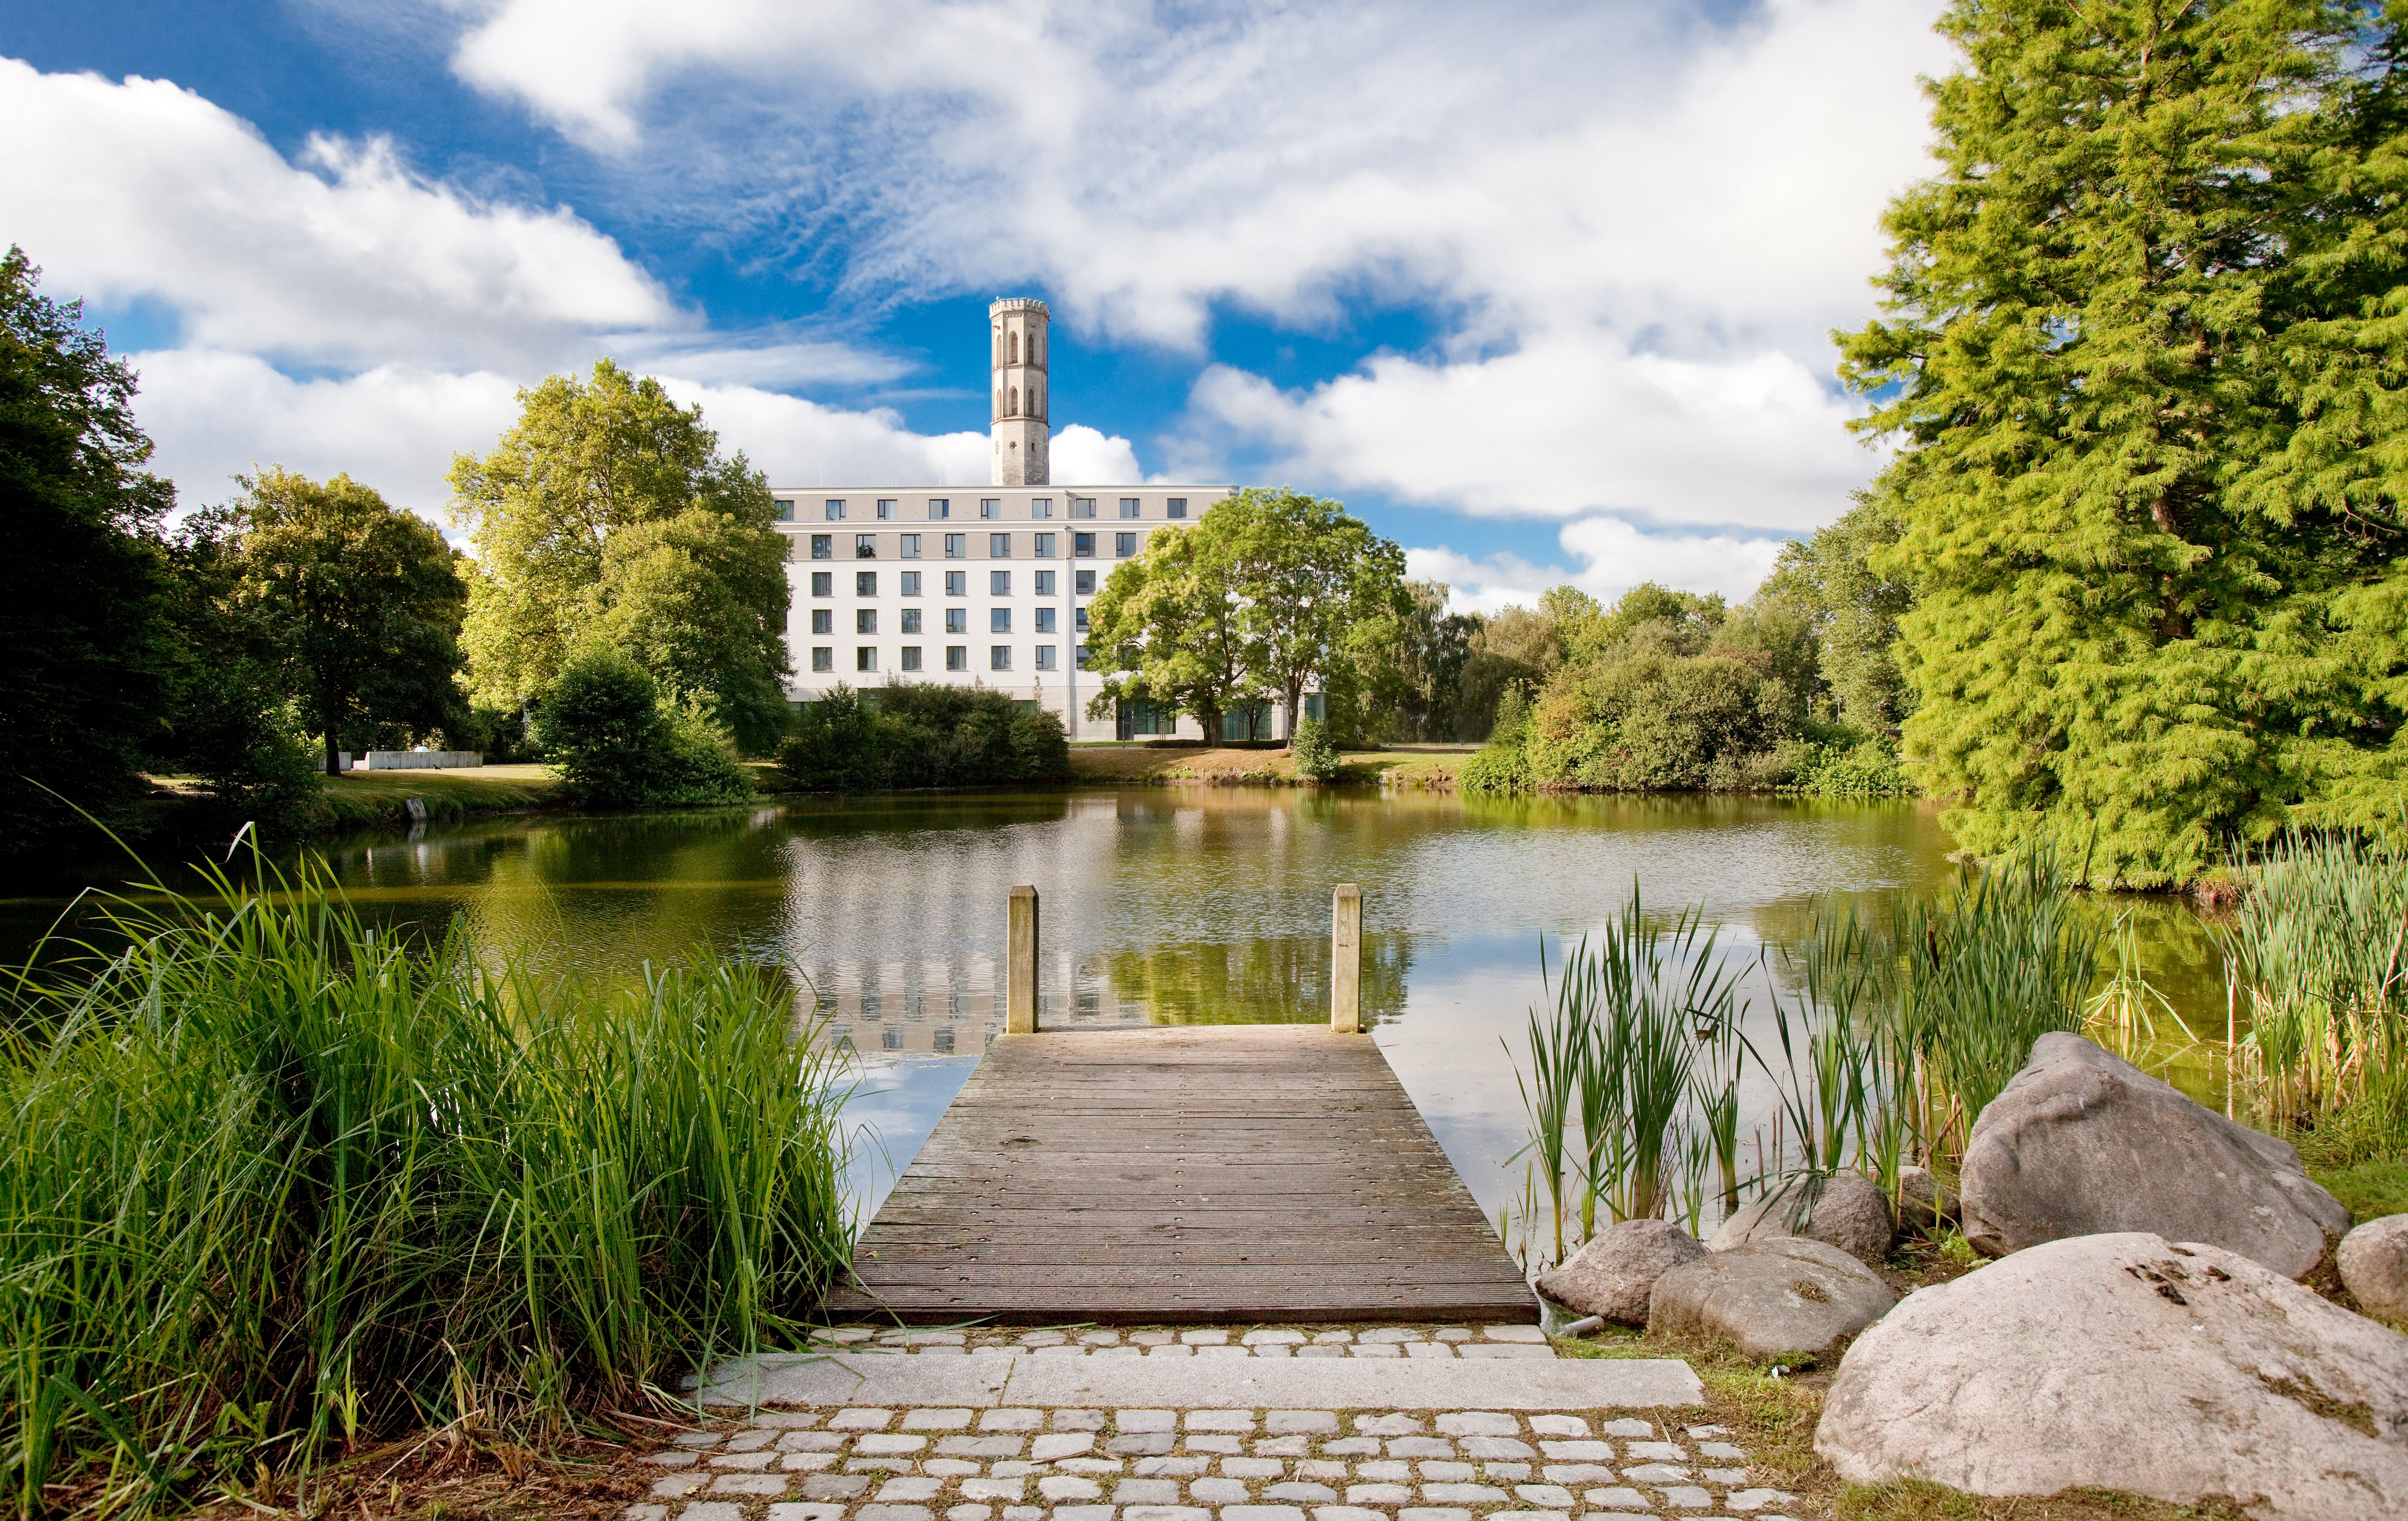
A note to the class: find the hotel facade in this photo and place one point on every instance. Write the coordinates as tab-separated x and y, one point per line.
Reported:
981	586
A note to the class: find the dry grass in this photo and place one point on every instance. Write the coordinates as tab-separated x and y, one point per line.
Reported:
1140	765
451	1475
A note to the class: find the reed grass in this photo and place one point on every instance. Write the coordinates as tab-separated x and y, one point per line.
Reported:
274	1183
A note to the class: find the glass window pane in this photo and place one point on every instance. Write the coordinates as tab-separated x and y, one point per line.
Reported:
957	658
911	657
958	583
822	658
911	546
999	583
865	621
783	508
1040	507
836	510
1128	507
823	583
864	546
999	620
1044	546
822	547
864	583
1123	544
823	620
910	620
1082	545
911	587
1045	583
956	545
998	546
1045	619
990	507
999	657
1045	657
939	509
1178	506
865	658
885	508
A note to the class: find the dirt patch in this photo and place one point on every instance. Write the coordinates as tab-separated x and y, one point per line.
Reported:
444	1475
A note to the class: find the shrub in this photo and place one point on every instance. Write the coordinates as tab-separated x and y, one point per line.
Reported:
922	734
619	745
1314	756
1497	768
1648	720
1870	770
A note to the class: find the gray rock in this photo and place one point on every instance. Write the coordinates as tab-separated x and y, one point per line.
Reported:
2373	1263
2082	1144
1924	1203
1846	1210
1612	1275
2181	1372
1773	1295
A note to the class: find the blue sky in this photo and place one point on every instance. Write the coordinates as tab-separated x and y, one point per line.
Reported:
1540	290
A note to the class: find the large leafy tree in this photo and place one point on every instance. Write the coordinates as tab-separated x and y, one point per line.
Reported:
80	607
1165	628
2110	339
1320	595
607	518
362	600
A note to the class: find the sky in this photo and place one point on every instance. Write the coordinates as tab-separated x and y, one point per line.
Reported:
1543	291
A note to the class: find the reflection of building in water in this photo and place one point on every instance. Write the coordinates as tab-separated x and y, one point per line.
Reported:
934	1008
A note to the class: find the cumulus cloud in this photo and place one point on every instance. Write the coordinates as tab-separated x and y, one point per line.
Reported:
1611	556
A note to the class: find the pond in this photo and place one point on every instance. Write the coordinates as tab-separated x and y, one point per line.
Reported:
1175	904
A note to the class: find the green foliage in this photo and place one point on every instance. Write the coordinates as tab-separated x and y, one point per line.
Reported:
1517	648
363	603
1410	685
2143	362
608	519
1869	769
1852	611
1638	719
1315	756
1165	628
620	744
80	608
282	1183
922	734
1503	764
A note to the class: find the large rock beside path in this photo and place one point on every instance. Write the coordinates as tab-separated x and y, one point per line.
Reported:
2373	1263
1846	1210
1613	1274
2084	1143
1773	1295
2183	1373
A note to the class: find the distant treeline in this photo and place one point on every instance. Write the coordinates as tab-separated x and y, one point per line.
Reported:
920	735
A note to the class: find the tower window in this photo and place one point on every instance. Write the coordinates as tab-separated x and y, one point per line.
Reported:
958	583
1012	407
1086	583
1014	340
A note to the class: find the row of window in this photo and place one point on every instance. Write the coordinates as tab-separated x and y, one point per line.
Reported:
941	508
957	658
957	546
957	620
958	583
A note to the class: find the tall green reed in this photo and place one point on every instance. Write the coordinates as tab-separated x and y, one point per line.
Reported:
275	1181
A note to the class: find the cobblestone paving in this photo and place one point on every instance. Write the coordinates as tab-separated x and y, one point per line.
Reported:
864	1464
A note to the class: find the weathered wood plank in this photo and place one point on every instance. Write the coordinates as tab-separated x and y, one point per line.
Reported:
1229	1173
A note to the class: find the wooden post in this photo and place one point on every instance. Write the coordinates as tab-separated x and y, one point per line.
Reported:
1346	961
1020	975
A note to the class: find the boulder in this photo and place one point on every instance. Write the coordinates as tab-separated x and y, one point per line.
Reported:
2183	1373
1772	1295
1924	1203
2085	1144
2373	1263
1612	1275
1846	1210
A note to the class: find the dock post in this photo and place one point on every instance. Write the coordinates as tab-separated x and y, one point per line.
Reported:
1346	961
1020	974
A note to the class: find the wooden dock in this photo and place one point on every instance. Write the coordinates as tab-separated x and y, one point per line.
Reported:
1181	1175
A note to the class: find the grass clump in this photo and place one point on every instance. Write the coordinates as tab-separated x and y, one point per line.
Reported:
279	1184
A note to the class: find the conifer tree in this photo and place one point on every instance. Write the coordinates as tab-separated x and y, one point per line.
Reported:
2101	315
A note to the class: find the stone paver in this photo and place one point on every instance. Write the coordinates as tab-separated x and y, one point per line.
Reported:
1217	1462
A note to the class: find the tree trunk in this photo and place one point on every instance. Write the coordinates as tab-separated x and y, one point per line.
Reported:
334	738
1295	701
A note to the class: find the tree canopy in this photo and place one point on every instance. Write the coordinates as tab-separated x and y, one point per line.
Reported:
607	518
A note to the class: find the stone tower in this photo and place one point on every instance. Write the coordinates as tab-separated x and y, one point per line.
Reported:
1017	327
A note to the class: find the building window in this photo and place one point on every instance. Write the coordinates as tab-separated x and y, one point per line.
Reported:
911	657
958	583
999	583
864	546
1082	545
784	507
998	546
1083	664
1086	583
957	620
1045	657
908	583
885	508
911	546
865	658
957	658
999	657
1012	407
1040	507
865	621
1044	546
836	510
1178	506
1128	507
999	620
1079	619
823	583
939	508
956	545
823	620
1123	544
910	620
990	507
864	583
1045	583
822	658
1013	339
1045	619
822	547
1083	506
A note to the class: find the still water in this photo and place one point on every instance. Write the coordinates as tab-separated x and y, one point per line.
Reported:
1177	905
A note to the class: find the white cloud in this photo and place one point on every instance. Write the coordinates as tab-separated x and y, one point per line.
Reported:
801	443
1082	456
1611	557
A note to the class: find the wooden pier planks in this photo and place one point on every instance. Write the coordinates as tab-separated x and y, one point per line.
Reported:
1191	1173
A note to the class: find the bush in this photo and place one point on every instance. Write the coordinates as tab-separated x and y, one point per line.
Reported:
1314	756
282	1183
1648	720
619	745
1867	770
1503	764
922	734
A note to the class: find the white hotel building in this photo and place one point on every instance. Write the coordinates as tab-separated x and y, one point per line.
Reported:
979	585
